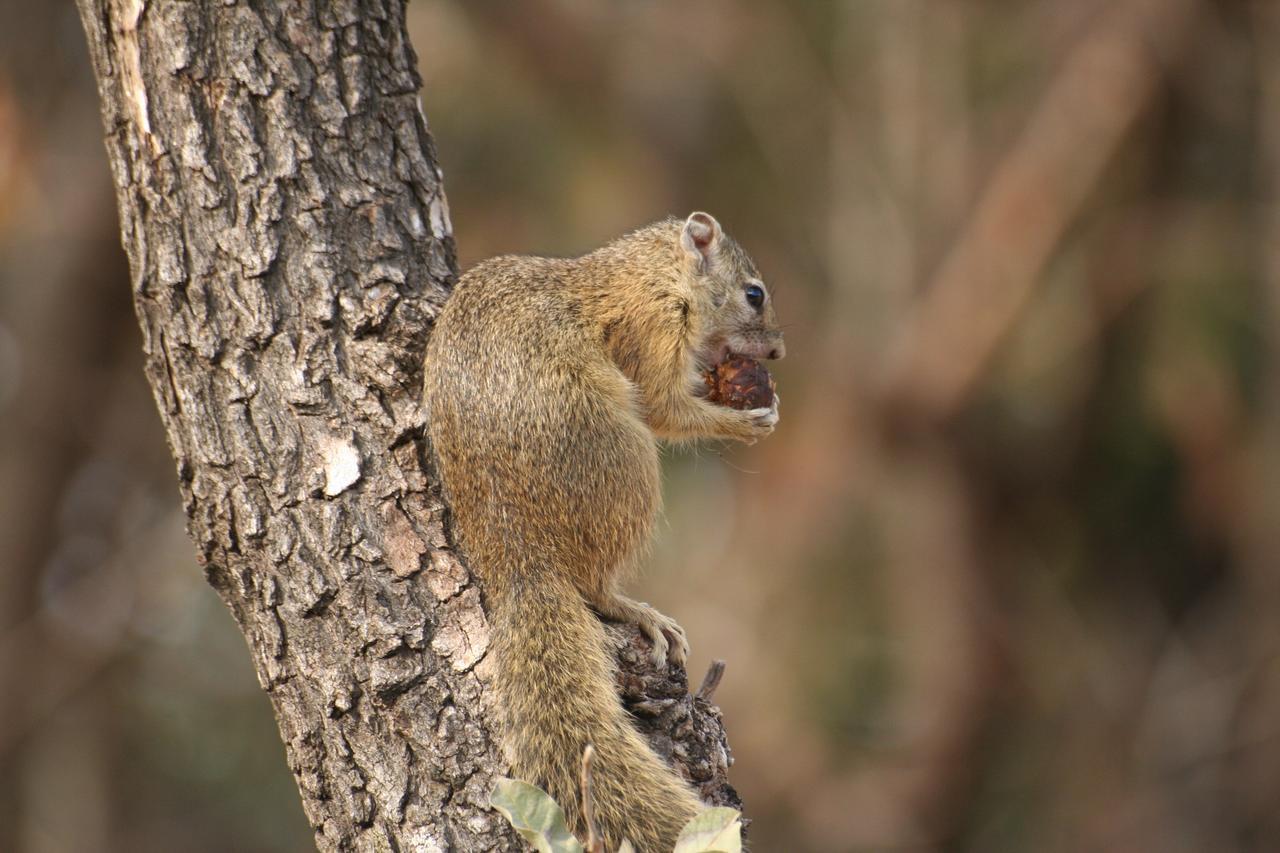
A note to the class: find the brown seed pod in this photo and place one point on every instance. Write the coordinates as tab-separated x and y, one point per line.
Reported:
739	383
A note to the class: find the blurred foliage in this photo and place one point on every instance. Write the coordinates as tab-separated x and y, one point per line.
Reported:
1005	577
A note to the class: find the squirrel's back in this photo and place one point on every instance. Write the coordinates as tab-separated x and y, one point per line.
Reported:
538	434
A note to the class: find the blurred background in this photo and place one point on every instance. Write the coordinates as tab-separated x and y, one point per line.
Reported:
1004	579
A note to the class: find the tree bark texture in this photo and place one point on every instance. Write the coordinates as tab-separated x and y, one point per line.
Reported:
289	242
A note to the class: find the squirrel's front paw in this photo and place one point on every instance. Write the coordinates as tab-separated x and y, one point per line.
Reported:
763	420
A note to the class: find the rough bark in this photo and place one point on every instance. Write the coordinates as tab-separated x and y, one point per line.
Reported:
289	243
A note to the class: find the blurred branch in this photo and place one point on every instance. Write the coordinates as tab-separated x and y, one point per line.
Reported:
915	495
1256	773
919	492
1032	197
1265	531
61	320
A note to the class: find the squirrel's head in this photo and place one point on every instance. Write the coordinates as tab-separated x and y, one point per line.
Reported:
740	317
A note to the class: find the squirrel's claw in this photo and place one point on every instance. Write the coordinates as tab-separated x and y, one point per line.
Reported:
678	652
764	419
668	638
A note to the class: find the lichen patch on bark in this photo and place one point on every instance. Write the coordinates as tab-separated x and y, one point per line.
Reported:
341	462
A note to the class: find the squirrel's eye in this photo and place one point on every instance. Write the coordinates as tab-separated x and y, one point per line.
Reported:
754	294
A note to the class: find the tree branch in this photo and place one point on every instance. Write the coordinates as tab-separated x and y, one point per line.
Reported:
289	242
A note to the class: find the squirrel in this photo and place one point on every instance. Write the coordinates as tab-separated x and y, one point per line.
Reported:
546	384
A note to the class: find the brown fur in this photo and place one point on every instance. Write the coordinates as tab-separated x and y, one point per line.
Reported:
546	383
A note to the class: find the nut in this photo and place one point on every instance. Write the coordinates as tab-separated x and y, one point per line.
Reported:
739	383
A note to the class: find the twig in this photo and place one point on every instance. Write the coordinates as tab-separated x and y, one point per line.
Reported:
710	681
594	843
1034	195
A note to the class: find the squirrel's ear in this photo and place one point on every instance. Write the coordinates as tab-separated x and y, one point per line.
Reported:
701	237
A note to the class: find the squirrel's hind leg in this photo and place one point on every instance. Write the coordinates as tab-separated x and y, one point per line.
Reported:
668	638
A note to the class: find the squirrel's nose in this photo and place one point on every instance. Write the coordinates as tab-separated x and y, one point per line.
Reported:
778	351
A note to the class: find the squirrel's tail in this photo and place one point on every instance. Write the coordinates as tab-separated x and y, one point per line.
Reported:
555	686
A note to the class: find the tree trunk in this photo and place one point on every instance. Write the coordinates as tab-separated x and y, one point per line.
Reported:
289	242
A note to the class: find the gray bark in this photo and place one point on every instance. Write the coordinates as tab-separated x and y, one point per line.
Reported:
289	242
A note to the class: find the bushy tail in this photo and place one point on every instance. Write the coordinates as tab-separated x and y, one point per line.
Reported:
556	689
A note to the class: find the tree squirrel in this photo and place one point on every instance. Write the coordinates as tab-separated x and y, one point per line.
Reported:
546	383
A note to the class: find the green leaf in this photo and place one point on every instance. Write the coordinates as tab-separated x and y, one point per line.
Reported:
534	815
717	830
